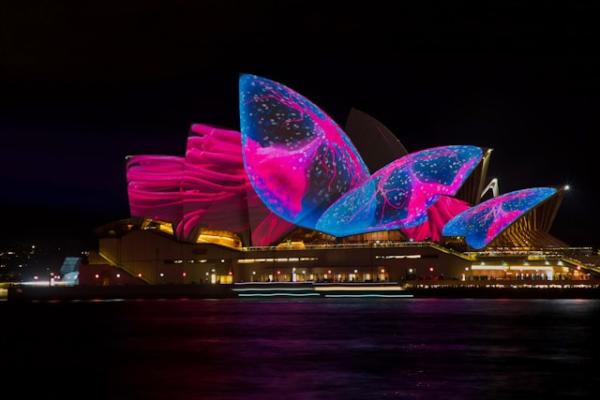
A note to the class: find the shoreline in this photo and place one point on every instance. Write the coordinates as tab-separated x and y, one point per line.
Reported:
28	294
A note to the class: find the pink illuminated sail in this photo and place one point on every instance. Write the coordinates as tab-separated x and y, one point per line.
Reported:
399	195
481	224
216	190
153	187
299	160
443	210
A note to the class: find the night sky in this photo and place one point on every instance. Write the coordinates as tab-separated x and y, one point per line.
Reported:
82	86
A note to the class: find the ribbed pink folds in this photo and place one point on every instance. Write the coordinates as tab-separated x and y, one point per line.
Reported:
208	188
153	187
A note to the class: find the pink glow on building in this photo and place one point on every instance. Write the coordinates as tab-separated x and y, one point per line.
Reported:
444	209
153	187
399	195
298	159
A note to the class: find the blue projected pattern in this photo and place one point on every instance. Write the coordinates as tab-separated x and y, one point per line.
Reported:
399	195
298	160
481	224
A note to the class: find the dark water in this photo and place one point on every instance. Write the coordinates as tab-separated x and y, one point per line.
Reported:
306	349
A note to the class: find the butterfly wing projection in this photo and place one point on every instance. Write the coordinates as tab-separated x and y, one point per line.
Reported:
481	224
298	160
399	195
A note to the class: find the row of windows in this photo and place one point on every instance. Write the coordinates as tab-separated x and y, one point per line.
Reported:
201	261
281	259
392	257
405	256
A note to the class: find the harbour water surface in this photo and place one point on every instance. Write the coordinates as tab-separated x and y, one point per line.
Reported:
302	349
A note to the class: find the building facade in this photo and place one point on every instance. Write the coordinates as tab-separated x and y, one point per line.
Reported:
291	198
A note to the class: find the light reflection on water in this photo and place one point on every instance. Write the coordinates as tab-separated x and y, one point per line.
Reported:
312	348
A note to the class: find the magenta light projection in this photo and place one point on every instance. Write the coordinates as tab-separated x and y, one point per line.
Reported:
208	188
265	226
216	190
153	187
291	166
442	211
298	159
484	222
399	195
214	181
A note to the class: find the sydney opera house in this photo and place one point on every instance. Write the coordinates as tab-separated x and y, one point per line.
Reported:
293	197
